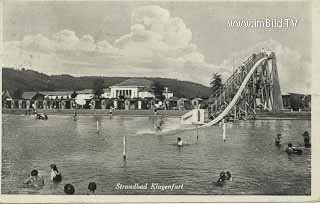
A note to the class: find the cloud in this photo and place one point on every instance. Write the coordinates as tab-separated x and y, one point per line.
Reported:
158	44
156	40
37	43
66	40
155	34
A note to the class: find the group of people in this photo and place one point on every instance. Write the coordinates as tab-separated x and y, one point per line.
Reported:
69	188
294	149
223	177
35	180
41	117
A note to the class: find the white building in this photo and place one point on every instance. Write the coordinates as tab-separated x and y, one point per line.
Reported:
167	94
106	93
85	94
133	88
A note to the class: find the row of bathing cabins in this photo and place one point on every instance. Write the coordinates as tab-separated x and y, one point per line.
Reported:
131	94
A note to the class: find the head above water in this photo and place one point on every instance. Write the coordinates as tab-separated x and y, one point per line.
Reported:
92	186
289	144
278	135
222	175
69	189
53	167
179	139
34	172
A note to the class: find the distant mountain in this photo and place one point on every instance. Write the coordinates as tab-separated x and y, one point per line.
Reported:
29	80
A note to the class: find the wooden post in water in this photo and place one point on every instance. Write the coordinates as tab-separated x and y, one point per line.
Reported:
124	152
97	127
197	133
223	130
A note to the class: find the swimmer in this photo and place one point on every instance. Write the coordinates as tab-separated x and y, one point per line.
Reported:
69	189
219	182
222	178
292	150
45	116
179	142
92	187
55	174
277	140
228	176
223	175
35	180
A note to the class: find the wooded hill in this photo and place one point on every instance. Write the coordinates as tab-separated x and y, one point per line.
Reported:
29	80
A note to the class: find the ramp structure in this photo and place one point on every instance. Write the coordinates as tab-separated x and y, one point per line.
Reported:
253	87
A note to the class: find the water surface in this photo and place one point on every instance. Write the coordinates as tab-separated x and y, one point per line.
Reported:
83	156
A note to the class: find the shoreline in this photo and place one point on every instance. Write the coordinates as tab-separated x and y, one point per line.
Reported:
137	113
165	113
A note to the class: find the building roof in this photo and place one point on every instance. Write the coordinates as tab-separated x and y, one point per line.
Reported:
29	94
135	82
85	91
197	99
6	94
56	93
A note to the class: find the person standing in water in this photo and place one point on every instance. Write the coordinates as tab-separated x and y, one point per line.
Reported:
74	117
277	140
306	138
45	116
55	174
179	142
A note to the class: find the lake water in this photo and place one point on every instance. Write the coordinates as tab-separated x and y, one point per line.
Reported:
83	156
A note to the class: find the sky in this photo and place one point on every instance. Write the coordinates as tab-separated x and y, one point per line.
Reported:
181	40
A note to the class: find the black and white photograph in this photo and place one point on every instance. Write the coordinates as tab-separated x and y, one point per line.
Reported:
157	98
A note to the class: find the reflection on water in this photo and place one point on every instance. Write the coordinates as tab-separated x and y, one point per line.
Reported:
83	156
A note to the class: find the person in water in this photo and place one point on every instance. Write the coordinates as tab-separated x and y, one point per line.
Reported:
221	179
277	140
45	116
55	174
293	150
38	116
179	142
69	189
35	180
74	117
228	176
92	187
220	182
306	138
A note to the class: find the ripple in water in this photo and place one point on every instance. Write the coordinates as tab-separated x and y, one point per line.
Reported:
84	156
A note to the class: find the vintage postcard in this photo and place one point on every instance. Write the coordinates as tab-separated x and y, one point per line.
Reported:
158	101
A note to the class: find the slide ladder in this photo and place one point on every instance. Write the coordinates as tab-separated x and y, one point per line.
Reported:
254	86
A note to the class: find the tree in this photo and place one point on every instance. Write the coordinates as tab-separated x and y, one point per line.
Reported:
158	90
74	94
17	93
216	82
98	86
